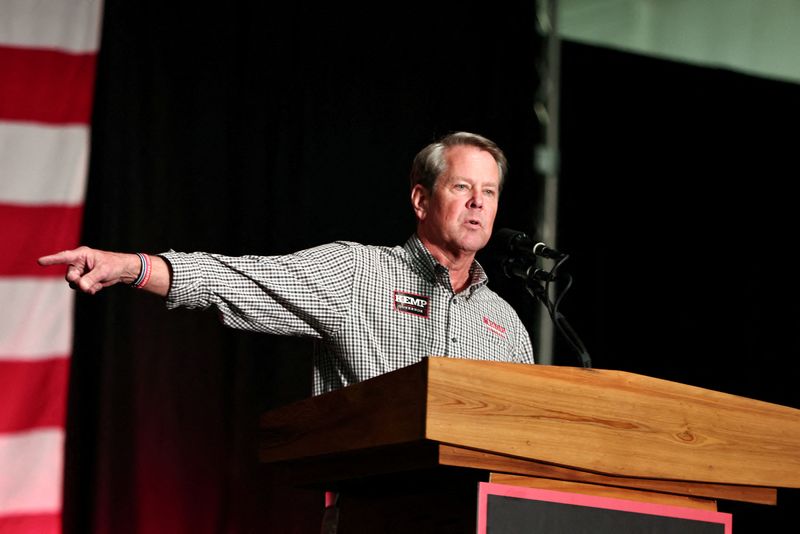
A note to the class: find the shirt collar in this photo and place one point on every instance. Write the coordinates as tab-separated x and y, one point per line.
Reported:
435	271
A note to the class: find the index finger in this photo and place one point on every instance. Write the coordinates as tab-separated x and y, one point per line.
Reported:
60	258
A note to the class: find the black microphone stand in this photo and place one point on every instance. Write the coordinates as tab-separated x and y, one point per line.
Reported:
540	290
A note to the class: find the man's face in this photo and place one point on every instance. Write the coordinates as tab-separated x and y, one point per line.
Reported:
457	216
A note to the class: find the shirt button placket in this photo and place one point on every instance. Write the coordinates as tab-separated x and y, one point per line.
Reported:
453	322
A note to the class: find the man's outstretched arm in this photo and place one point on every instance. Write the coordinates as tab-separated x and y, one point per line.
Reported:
90	270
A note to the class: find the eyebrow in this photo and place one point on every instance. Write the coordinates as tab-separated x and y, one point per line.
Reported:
464	178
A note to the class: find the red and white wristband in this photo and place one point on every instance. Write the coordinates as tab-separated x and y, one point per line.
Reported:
144	274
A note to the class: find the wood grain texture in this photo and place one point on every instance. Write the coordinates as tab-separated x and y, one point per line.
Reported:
498	464
385	410
604	491
580	425
612	423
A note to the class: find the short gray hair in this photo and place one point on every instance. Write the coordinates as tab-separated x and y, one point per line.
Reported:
430	162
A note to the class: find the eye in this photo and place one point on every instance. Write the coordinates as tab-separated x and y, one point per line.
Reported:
490	192
461	187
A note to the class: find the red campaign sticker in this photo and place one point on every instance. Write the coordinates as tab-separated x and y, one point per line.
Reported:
411	303
494	327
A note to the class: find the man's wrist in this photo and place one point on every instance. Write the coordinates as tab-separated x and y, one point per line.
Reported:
145	270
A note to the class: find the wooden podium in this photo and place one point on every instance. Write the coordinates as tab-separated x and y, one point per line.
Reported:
406	450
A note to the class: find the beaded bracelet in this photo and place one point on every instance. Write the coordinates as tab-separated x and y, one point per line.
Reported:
144	274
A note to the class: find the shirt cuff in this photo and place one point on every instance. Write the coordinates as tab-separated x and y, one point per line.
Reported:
185	289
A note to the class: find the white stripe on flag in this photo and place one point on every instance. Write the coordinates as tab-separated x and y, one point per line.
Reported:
32	471
71	25
43	164
37	318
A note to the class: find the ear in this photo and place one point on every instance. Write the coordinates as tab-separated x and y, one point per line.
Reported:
420	200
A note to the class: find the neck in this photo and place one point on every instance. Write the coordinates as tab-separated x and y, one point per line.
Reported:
458	263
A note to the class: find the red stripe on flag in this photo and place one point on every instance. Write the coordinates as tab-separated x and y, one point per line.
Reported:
31	524
29	232
33	394
46	85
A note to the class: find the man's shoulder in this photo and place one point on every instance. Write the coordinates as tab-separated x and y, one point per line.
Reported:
377	251
369	258
488	295
339	245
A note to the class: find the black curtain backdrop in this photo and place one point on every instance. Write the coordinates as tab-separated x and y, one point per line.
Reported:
678	209
255	129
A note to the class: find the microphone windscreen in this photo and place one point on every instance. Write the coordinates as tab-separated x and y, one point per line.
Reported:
504	239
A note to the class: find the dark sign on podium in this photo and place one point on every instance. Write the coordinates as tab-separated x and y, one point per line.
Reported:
504	509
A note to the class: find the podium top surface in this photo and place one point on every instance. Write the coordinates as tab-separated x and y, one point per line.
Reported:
598	421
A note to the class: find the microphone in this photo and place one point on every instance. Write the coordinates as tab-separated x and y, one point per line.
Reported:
516	267
519	242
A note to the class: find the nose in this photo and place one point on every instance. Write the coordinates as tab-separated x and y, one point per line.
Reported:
476	200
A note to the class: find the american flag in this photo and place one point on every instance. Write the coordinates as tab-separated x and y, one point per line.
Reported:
48	53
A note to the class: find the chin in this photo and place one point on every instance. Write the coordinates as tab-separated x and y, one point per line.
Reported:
475	243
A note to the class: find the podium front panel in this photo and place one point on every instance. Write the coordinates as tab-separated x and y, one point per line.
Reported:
504	509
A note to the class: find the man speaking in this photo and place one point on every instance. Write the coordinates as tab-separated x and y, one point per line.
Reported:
371	309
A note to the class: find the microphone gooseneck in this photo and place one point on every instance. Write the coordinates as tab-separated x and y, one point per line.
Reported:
519	255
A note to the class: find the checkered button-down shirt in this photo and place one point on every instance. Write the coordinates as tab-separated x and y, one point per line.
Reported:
372	309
